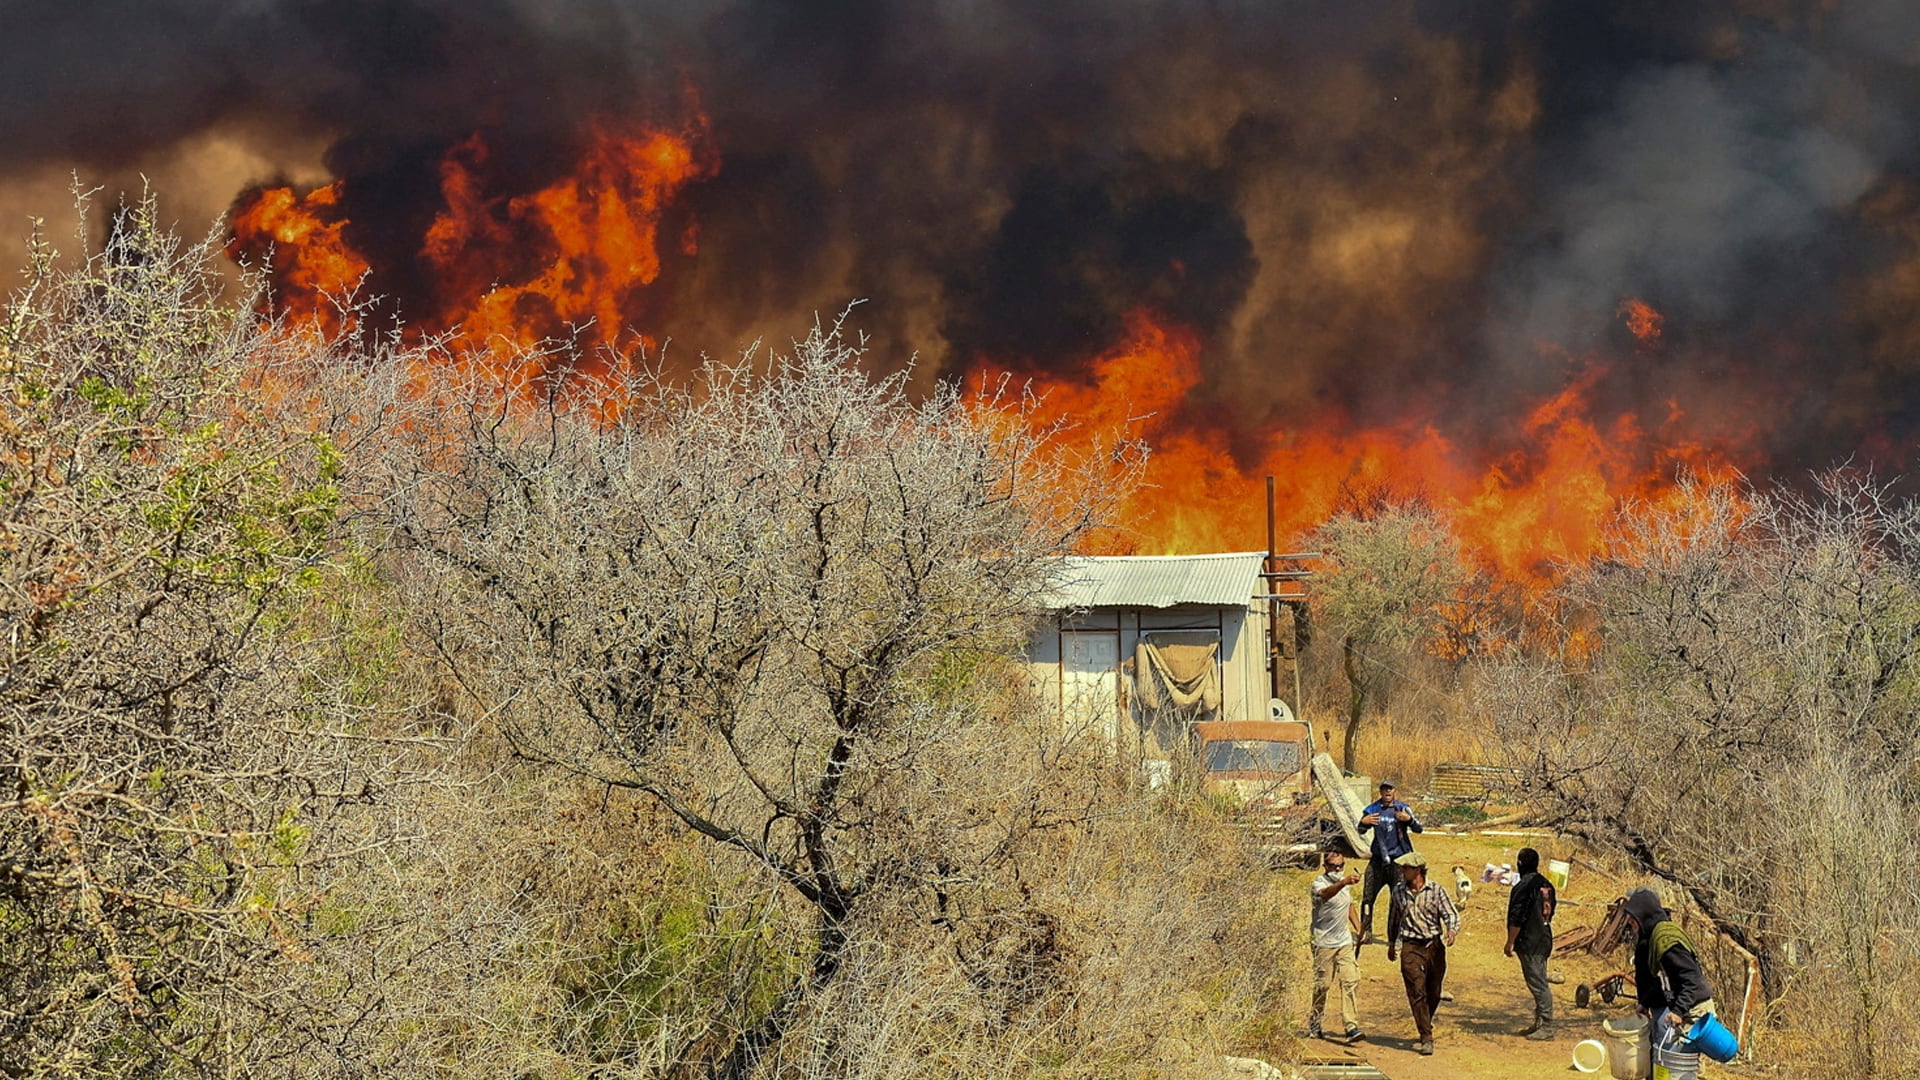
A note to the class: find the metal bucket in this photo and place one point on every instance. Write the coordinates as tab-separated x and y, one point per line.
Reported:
1670	1062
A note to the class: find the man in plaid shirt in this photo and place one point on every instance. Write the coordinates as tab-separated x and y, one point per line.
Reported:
1421	924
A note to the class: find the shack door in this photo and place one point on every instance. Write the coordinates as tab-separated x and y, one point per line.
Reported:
1090	681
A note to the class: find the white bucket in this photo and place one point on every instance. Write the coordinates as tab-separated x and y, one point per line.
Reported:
1628	1051
1589	1056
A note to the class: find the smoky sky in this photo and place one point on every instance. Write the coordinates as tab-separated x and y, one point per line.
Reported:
1428	210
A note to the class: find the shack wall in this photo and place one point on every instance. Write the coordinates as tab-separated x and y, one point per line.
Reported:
1078	662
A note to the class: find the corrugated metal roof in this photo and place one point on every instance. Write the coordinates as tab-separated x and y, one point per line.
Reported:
1159	581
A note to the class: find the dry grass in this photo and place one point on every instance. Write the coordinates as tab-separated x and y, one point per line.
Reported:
1406	747
1155	953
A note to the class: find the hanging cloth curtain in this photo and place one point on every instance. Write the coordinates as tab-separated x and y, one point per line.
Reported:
1179	669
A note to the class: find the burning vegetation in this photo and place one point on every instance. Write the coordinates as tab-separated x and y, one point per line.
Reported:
574	261
1547	295
1471	262
507	271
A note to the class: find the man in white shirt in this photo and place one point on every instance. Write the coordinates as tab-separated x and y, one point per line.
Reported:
1335	921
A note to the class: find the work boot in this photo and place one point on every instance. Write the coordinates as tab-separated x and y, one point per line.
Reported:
1540	1034
1529	1029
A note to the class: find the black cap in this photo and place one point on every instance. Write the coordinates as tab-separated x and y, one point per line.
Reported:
1386	785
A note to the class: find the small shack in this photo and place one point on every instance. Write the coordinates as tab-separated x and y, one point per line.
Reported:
1140	646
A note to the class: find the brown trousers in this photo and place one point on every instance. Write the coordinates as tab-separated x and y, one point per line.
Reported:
1423	967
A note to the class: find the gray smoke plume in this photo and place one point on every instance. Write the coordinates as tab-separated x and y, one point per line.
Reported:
1428	209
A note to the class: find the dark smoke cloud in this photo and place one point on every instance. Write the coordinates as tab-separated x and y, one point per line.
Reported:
1723	193
1430	208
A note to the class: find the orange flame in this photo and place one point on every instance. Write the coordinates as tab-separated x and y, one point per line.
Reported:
1541	502
300	237
1642	321
571	260
578	258
596	231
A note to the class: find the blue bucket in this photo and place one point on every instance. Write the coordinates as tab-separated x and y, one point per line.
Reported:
1710	1037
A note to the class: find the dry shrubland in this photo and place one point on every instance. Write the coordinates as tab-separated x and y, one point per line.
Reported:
1735	710
368	710
1726	702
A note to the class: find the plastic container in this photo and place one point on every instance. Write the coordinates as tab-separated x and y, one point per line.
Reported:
1628	1049
1589	1056
1710	1037
1557	872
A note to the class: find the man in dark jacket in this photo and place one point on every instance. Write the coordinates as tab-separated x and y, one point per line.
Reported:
1391	821
1667	979
1530	937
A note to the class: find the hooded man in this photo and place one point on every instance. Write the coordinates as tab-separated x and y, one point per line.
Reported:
1530	937
1667	979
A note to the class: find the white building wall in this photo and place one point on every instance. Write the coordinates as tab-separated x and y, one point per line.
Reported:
1243	660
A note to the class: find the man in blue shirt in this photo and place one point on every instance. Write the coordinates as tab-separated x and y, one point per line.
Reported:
1391	820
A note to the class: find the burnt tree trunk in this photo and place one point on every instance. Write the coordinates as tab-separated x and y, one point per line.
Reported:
1356	704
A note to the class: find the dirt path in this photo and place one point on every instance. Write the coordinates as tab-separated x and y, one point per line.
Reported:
1474	1035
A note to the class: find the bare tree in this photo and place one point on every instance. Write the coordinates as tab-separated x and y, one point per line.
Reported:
297	632
1384	591
1742	657
760	600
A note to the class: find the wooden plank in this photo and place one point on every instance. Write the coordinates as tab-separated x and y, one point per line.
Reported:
1613	930
1576	939
1344	804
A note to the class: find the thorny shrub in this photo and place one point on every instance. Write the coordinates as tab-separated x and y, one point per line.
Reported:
366	712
